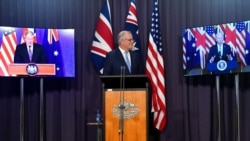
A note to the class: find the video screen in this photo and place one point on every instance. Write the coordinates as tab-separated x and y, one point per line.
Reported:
216	49
37	52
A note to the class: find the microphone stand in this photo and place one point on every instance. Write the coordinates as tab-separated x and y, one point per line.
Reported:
121	105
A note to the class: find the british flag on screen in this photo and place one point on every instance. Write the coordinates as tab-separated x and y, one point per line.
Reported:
155	70
201	45
103	40
7	50
132	26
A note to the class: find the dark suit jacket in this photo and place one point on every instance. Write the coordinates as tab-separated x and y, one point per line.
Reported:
22	55
214	52
114	61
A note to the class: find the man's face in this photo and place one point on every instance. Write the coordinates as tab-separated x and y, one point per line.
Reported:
127	42
29	39
220	39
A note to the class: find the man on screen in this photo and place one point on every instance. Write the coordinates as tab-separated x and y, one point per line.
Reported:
221	54
29	52
220	51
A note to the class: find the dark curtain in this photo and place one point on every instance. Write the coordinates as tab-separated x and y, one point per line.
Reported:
72	102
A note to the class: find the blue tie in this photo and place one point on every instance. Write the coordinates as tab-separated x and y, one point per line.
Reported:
127	61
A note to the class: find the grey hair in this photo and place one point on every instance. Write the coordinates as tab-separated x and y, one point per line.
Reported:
121	35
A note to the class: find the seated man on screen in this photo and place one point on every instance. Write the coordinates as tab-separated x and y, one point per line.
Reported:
29	52
220	51
123	57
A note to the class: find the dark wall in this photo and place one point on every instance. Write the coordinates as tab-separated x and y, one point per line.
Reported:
71	102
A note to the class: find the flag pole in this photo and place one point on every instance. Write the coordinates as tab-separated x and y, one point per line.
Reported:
41	109
237	107
218	107
22	109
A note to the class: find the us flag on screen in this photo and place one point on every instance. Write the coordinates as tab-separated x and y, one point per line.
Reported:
7	50
240	41
103	40
132	26
155	71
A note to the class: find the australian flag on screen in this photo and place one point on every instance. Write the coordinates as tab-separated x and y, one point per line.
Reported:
192	55
247	51
51	43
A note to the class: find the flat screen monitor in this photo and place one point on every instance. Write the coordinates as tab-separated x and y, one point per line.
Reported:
216	49
58	46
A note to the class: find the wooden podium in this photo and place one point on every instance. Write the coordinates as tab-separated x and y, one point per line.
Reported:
125	102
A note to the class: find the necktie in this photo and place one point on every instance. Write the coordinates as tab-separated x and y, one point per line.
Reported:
30	53
127	61
220	50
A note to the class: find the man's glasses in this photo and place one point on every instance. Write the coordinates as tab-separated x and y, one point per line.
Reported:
130	40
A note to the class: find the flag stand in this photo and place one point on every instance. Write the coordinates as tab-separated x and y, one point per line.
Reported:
22	109
237	110
237	102
218	107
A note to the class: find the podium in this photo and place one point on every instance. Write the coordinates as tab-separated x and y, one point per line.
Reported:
125	102
222	66
31	69
21	69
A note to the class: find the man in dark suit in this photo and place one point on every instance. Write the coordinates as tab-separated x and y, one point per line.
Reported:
221	58
220	51
123	57
29	52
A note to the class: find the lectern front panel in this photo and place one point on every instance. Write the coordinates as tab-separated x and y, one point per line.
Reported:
129	122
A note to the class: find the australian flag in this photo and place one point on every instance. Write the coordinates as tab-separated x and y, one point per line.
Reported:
53	50
247	50
132	26
192	55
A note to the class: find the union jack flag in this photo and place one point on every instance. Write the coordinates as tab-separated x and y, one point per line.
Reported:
155	70
103	40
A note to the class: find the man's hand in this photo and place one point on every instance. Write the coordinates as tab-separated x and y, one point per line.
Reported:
212	59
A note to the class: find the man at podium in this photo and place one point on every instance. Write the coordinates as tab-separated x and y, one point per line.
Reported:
123	57
221	58
29	52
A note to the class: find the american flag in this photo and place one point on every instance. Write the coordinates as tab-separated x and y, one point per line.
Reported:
103	40
132	26
155	70
7	49
240	42
210	37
